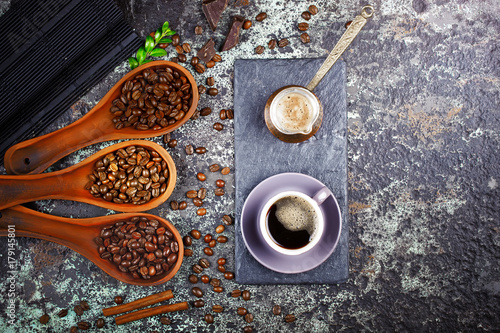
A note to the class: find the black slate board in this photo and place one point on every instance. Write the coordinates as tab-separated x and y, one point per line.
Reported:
259	155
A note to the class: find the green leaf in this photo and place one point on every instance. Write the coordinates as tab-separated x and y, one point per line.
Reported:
158	53
157	35
165	40
146	61
164	28
141	55
150	44
133	62
170	33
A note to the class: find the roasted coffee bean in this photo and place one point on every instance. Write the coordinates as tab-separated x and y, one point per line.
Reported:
195	61
172	143
201	211
246	295
276	310
199	303
222	114
44	319
261	17
99	323
304	38
210	81
220	228
175	60
247	24
197	292
188	252
84	305
218	289
62	313
183	205
259	49
73	329
202	89
197	269
201	177
174	205
195	234
241	311
289	318
205	279
219	191
205	111
187	240
191	194
182	58
221	261
118	299
204	263
212	91
179	49
313	10
165	321
208	251
220	183
214	168
195	115
217	308
197	202
193	279
189	150
198	30
199	68
209	318
228	220
225	171
217	57
218	127
306	15
186	47
200	150
207	238
78	310
283	42
210	64
272	44
221	239
229	275
229	114
83	325
212	243
176	39
247	329
303	26
221	269
249	318
236	293
215	282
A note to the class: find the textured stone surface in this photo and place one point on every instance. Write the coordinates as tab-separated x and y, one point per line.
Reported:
423	96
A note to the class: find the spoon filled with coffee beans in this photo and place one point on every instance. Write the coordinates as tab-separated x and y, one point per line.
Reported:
136	248
130	176
151	100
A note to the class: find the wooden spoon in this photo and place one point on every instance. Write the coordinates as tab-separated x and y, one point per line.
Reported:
37	154
79	235
69	183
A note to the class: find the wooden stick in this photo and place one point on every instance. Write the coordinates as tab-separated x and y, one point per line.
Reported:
140	303
144	313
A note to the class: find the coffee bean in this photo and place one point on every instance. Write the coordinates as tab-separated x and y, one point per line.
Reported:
199	303
165	321
313	10
202	89
220	228
78	309
229	275
212	91
44	319
225	171
261	17
99	323
276	310
221	269
227	220
210	64
205	279
175	60
195	234
197	269
271	44
220	183
188	252
198	30
218	127
259	49
229	114
210	81
209	318
189	149
304	38
193	279
186	47
83	325
283	42
217	58
241	311
73	329
217	308
347	24
118	299
183	205
197	292
174	205
219	191
247	329
222	114
303	26
191	194
182	58
289	318
195	61
201	177
306	15
201	211
62	313
249	318
214	168
204	263
218	289
199	68
208	251
236	293
176	39
206	111
187	240
247	24
195	115
179	49
201	150
172	143
207	238
84	305
221	261
246	295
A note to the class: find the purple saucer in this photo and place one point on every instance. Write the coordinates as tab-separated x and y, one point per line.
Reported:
261	251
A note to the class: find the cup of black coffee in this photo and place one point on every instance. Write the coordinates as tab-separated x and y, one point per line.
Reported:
292	222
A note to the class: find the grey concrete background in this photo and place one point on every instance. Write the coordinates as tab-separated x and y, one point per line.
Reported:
423	177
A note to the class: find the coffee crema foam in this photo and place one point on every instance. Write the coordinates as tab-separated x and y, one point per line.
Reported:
296	214
294	112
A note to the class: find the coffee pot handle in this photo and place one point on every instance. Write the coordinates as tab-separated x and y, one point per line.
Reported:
322	195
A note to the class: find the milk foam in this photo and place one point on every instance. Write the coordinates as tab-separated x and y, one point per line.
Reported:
295	214
294	112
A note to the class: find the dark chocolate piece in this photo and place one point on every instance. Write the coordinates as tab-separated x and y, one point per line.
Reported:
213	10
233	36
207	52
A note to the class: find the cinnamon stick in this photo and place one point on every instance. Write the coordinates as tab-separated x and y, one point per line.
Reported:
144	313
140	303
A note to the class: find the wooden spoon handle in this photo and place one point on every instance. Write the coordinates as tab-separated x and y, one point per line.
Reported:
37	154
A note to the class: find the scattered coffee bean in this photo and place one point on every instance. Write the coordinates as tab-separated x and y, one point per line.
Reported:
166	138
195	234
201	211
176	39
222	114
218	289
304	38
163	45
205	279
73	329
247	329
210	81
212	91
188	252
259	49
276	310
306	15
189	150
84	305
225	171
228	220
218	127
208	251
174	205
199	68
217	308
197	292
118	299
347	24
165	321
210	64
247	24
195	61
183	205
202	193
62	313
221	261
212	243
204	263
83	325
179	49
197	269
175	60
221	239
236	293
206	111
241	311
261	17
221	269
186	47
199	303
215	282
249	318
272	44
220	228
303	26
200	150
313	10
207	238
187	240
198	30
229	114
182	58
289	318
193	279
191	194
197	202
99	323
172	143
229	275
217	57
214	168
201	177
209	318
44	319
219	191
246	295
220	183
78	309
283	42
202	89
